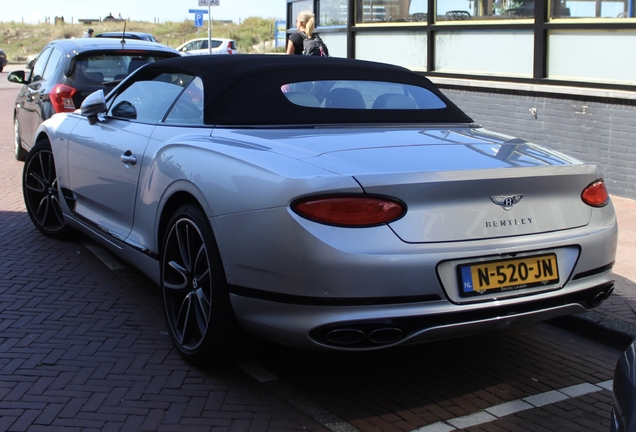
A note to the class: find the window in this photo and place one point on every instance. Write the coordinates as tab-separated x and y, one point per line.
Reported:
149	100
40	64
52	64
296	7
109	67
452	10
378	11
456	10
361	95
592	9
375	11
332	12
189	107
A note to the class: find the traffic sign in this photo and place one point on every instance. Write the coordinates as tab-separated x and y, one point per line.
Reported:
209	2
195	11
198	20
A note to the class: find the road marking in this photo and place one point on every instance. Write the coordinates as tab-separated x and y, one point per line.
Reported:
498	411
334	423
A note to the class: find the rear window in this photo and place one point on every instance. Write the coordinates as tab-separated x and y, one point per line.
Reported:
362	95
108	67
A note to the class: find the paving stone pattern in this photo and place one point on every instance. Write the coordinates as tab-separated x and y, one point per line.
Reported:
412	387
83	348
622	304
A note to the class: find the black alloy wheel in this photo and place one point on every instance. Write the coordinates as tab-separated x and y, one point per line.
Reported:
41	193
197	305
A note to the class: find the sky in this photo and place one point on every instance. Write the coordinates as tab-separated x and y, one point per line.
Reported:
139	10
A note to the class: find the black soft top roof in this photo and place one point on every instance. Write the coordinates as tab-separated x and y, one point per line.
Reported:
245	89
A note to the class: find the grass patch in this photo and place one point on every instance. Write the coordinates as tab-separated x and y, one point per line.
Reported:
18	40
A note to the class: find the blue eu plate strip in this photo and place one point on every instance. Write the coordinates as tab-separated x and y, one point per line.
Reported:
467	279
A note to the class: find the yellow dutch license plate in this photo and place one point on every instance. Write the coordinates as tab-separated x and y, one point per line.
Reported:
508	275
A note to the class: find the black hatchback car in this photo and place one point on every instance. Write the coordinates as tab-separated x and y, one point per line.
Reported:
128	35
68	70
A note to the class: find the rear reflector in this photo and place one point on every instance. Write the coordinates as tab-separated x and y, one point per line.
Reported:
350	210
595	194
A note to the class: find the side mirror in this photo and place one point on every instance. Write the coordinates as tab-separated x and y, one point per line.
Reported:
18	77
95	103
125	109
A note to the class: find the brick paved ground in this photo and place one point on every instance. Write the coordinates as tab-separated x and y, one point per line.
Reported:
622	305
85	348
614	321
410	388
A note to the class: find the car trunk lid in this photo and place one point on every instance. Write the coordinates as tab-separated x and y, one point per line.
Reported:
466	184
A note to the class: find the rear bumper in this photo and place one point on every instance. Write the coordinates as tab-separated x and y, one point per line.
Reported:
324	287
360	327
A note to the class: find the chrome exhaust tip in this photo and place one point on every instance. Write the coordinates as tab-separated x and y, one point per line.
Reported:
345	336
385	336
367	337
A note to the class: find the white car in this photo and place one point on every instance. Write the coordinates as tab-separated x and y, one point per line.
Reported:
200	46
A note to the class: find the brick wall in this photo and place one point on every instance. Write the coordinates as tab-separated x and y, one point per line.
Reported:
595	129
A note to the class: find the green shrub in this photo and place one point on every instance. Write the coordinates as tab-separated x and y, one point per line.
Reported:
18	40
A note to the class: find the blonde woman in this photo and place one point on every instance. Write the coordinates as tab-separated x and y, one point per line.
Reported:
305	23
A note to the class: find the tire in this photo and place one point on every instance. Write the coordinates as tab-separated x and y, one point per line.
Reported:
19	152
41	193
199	315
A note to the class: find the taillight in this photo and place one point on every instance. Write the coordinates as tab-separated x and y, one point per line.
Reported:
350	210
61	97
229	49
595	194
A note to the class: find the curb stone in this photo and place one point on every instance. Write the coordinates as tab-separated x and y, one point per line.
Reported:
598	327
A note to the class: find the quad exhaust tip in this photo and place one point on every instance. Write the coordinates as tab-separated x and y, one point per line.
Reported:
378	334
353	336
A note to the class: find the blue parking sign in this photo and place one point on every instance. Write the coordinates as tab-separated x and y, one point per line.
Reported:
198	20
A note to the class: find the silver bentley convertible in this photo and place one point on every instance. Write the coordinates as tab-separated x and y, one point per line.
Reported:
320	203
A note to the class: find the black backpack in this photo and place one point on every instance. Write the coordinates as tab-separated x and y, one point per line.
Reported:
314	46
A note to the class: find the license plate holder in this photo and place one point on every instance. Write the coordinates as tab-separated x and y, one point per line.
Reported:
503	275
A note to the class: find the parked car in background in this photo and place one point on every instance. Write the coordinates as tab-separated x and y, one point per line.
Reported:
200	46
128	35
624	388
322	203
66	71
3	60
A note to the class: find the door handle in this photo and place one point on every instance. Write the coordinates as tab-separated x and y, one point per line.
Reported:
128	158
